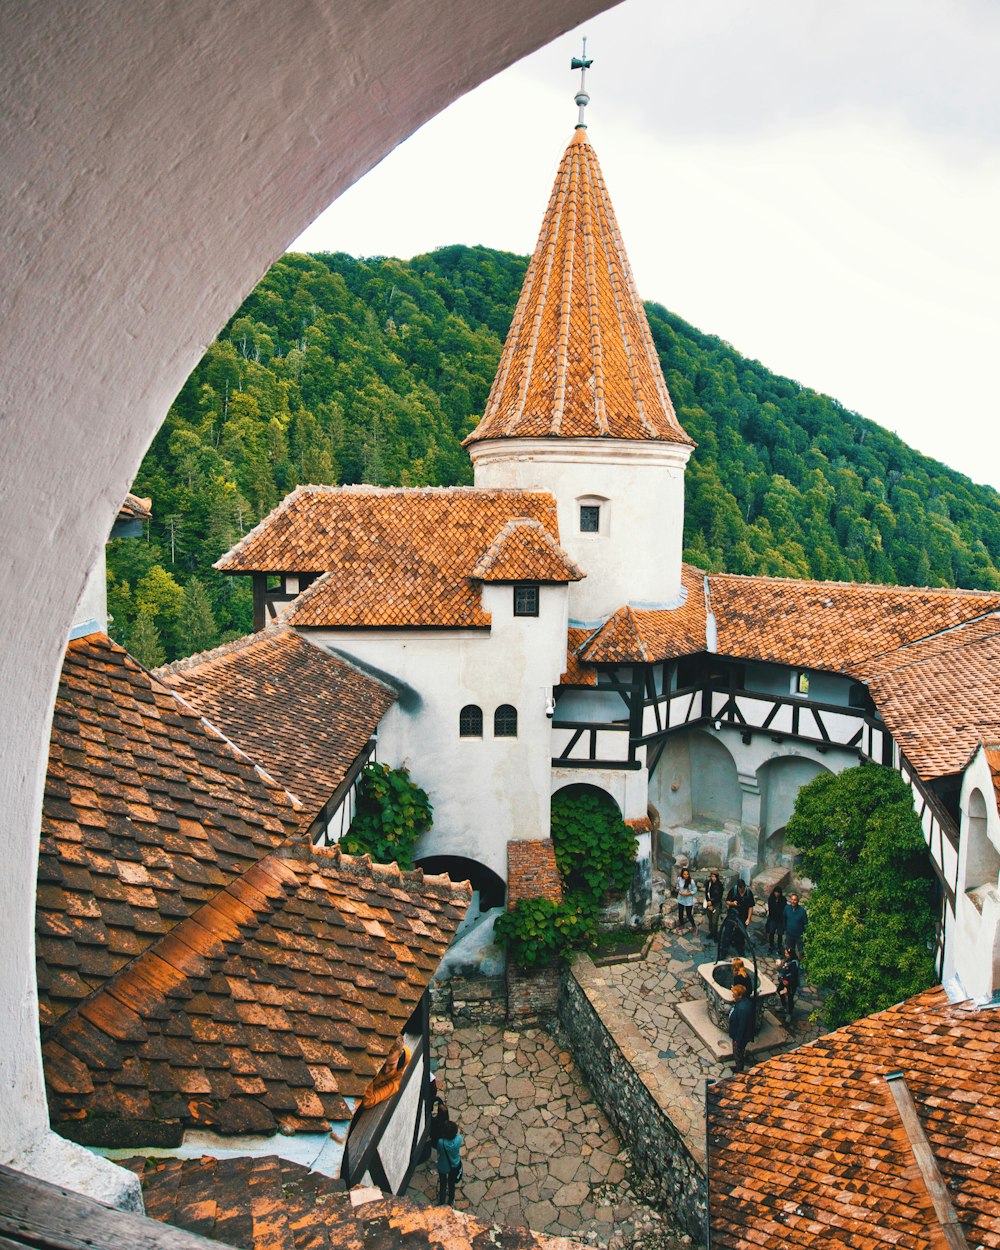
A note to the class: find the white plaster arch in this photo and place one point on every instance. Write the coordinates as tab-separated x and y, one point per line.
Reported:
779	780
157	158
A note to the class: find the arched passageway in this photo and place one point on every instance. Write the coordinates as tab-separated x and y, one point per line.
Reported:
157	159
779	781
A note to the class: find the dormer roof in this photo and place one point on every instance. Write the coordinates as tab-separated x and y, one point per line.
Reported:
579	361
524	550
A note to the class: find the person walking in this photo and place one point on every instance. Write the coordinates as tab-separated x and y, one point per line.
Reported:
789	976
775	925
449	1163
714	893
741	1025
796	920
686	893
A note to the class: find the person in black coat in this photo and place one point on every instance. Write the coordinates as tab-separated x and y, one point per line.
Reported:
741	1025
789	976
714	893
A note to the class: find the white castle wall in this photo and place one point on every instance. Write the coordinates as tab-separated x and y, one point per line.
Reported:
484	790
636	556
972	947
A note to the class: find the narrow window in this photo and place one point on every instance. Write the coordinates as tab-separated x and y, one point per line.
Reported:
590	518
802	683
526	600
505	721
470	721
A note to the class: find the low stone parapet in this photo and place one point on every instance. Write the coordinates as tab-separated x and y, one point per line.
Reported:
653	1115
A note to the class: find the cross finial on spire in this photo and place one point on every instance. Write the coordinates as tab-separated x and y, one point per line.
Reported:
582	99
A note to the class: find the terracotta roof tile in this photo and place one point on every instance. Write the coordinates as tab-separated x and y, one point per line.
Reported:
525	550
936	696
393	557
642	634
577	673
832	625
579	360
808	1149
135	508
148	811
264	1009
993	760
267	1203
303	714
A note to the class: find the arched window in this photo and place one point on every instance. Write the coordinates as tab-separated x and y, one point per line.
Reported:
470	721
505	721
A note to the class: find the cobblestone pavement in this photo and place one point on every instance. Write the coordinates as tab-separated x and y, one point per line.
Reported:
538	1151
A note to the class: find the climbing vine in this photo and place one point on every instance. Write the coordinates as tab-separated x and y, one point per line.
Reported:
392	812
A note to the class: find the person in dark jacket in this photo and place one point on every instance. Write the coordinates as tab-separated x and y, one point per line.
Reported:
795	925
714	894
439	1121
740	899
741	1025
449	1163
775	925
741	976
789	977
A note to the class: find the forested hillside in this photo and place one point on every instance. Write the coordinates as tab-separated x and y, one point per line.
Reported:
344	370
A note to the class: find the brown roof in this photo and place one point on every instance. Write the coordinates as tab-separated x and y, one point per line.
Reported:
579	360
267	1203
993	760
263	1010
148	812
303	714
135	508
935	696
832	625
808	1148
525	550
642	634
577	673
395	557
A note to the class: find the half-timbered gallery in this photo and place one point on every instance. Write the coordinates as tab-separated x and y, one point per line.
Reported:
542	631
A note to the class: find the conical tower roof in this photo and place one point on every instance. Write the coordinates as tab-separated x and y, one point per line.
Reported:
579	360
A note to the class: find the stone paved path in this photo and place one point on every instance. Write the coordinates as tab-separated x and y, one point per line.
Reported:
538	1151
650	990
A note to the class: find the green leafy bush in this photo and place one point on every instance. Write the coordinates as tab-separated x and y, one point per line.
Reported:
872	918
595	849
392	813
539	930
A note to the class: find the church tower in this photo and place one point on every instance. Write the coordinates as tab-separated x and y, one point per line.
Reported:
579	406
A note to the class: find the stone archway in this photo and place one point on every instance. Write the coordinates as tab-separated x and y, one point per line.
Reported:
158	158
779	781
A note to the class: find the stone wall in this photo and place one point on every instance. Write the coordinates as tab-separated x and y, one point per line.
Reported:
532	992
652	1115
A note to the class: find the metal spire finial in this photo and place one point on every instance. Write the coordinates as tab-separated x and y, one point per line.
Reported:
582	99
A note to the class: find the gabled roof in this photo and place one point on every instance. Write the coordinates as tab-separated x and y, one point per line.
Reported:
148	812
395	557
263	1010
638	634
267	1203
839	626
525	550
937	695
808	1149
579	360
303	714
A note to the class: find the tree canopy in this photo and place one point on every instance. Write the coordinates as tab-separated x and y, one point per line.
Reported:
337	369
872	919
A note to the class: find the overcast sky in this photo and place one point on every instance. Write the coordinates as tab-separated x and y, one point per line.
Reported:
816	182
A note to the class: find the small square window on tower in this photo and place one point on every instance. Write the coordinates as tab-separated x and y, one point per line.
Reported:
526	600
590	518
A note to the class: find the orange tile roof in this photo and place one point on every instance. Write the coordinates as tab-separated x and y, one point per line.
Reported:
832	625
148	812
261	1012
532	871
135	508
577	673
395	557
267	1203
302	713
808	1149
936	696
525	551
641	634
579	360
993	760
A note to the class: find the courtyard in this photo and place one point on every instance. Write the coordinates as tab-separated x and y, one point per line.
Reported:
538	1150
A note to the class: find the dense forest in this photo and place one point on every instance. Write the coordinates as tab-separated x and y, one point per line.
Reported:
344	370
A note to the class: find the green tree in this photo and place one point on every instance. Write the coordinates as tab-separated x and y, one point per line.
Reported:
143	641
196	625
872	920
